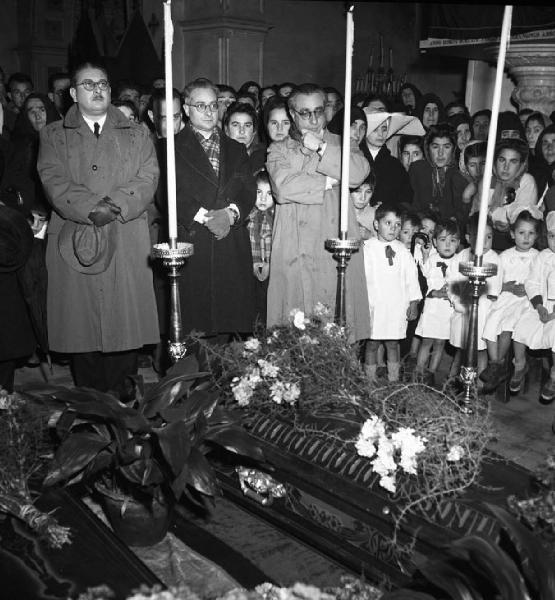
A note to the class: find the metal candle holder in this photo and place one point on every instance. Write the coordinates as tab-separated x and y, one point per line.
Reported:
342	249
173	259
477	274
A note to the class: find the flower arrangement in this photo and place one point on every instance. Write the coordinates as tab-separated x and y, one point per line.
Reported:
23	455
418	441
349	588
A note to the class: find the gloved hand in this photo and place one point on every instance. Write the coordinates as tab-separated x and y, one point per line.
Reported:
218	222
104	212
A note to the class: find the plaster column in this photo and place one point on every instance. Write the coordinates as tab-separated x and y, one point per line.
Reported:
532	66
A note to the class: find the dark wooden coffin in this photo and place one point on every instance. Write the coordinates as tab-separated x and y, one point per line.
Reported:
30	570
335	504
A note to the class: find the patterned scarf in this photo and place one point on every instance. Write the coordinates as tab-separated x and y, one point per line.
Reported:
211	147
260	226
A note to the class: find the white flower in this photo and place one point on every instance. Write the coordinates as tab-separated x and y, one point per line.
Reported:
410	446
242	391
388	482
284	392
292	392
298	318
267	368
455	453
253	375
365	447
384	463
252	344
321	310
373	429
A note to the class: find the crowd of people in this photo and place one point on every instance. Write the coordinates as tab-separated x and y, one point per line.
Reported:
258	169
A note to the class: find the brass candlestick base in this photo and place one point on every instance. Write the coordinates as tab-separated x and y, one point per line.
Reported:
174	258
477	275
342	249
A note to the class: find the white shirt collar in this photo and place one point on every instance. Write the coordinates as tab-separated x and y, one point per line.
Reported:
90	122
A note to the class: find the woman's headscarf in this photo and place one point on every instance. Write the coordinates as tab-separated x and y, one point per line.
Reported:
543	171
417	95
23	127
430	99
336	124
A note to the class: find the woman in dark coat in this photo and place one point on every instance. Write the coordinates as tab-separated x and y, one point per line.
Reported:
543	168
37	112
437	181
16	334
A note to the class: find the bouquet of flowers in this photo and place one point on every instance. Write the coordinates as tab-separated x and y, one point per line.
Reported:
22	456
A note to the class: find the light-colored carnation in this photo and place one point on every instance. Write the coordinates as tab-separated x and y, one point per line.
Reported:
322	310
299	320
365	447
252	344
388	482
373	429
267	369
284	392
455	453
410	446
306	339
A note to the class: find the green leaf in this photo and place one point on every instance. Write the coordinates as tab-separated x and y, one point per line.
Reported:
144	472
200	475
221	416
176	383
538	571
180	482
75	453
237	440
492	564
175	443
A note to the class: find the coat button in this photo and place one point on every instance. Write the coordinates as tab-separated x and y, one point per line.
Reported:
94	167
131	193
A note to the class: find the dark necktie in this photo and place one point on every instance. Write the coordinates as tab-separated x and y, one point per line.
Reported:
389	254
96	130
443	267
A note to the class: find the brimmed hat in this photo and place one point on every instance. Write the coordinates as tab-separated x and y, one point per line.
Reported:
87	248
400	124
16	239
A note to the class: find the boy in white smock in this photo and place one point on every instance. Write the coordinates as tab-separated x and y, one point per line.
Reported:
393	290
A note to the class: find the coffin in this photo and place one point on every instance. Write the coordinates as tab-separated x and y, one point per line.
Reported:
31	570
335	504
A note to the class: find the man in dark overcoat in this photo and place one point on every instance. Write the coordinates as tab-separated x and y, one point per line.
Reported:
215	194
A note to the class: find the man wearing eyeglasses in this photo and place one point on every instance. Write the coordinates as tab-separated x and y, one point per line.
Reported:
215	194
305	169
100	174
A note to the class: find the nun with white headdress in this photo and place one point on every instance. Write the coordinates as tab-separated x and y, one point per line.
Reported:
392	181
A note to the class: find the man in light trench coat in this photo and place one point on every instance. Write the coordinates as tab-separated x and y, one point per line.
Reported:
305	169
100	173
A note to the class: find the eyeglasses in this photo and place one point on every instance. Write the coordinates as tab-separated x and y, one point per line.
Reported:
306	114
90	85
202	107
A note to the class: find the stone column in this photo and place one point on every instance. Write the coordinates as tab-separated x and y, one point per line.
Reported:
532	66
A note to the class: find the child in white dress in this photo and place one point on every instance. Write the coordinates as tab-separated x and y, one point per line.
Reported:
393	290
514	268
536	327
435	322
460	294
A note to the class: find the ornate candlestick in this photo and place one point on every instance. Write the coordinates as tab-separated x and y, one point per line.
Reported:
173	259
342	249
477	274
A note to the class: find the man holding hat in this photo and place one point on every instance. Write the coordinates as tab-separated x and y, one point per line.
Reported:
100	173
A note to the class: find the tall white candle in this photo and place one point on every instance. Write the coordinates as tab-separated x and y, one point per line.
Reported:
486	182
344	220
170	147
